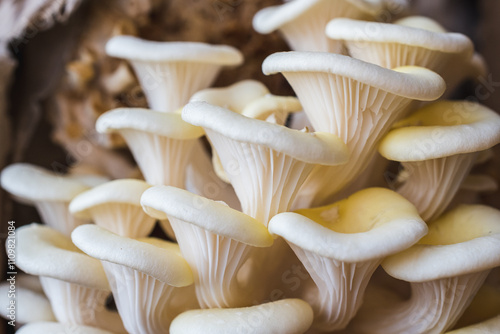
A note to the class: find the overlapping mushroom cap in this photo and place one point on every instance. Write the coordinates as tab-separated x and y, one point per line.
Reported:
288	316
437	146
342	244
116	206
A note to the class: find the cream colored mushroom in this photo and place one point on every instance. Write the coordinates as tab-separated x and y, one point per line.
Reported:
215	240
74	283
49	192
302	22
288	316
146	276
446	268
116	206
437	146
355	100
170	72
248	147
342	244
160	142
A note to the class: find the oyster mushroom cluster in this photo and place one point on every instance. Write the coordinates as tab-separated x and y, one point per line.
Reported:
274	217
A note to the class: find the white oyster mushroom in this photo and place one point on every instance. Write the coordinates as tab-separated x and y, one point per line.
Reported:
74	283
355	100
116	206
215	240
170	72
145	275
287	316
44	327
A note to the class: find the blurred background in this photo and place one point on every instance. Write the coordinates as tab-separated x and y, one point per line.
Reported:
55	79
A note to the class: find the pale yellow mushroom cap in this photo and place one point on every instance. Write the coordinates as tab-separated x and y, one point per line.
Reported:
462	241
442	129
370	224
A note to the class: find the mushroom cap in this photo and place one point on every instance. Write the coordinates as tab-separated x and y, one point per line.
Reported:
127	191
442	129
318	147
357	30
420	22
234	97
490	326
462	241
162	202
370	224
33	183
44	327
287	316
46	252
272	18
269	104
160	123
134	48
408	81
154	257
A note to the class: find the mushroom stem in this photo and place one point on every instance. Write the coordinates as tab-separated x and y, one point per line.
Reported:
432	184
80	305
57	216
434	307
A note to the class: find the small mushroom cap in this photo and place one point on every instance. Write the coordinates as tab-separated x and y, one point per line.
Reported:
134	48
442	129
269	104
421	22
412	82
272	18
164	124
43	251
370	224
348	29
45	327
162	202
465	240
127	191
33	183
154	257
317	148
287	316
235	97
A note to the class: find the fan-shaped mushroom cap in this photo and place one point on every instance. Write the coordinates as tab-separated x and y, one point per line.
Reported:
170	72
162	202
49	253
33	183
370	224
463	241
423	46
115	205
317	148
160	142
134	48
163	124
302	22
45	327
154	257
442	129
409	81
288	316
